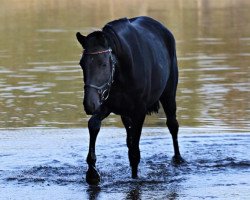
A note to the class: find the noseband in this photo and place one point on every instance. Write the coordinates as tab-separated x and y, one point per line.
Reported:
104	89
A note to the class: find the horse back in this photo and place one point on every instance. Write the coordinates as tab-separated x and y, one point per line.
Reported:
144	48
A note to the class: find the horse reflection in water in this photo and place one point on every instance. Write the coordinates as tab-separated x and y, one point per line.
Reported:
129	68
133	193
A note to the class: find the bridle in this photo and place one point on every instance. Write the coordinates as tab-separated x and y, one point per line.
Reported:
104	89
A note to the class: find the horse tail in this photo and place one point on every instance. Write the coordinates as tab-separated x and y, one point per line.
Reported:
171	46
168	98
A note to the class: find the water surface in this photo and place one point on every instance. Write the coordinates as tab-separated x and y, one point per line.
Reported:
49	164
41	87
41	82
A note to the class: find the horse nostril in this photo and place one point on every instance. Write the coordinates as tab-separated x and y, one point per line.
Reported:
90	107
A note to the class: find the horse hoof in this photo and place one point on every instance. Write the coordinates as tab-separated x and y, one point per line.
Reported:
92	176
134	174
178	160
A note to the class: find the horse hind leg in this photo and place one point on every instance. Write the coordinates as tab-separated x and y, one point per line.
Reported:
169	105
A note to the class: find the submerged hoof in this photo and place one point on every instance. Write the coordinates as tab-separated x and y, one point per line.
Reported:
178	160
92	176
134	174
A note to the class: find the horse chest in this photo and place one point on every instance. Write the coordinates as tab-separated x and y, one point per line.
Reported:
121	104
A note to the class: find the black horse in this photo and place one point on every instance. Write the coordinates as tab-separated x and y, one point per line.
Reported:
129	67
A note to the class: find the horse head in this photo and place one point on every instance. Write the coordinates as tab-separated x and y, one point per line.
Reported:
98	67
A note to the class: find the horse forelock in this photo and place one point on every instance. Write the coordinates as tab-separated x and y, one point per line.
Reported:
97	38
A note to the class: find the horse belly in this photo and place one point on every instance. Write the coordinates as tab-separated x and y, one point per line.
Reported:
121	103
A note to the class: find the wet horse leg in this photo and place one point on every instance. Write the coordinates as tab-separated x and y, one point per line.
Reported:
133	127
169	105
94	125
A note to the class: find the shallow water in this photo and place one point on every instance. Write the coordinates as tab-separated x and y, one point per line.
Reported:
41	82
41	87
50	164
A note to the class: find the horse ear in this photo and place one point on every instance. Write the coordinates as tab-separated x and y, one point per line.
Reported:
81	39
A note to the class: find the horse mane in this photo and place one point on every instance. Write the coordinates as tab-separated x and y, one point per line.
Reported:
112	29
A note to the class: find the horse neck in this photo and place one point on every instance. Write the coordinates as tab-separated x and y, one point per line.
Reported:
123	72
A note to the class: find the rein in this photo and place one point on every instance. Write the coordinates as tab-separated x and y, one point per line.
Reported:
104	89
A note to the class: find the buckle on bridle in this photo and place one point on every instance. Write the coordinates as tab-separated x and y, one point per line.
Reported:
105	95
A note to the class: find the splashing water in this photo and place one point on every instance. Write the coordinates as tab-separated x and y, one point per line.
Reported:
52	163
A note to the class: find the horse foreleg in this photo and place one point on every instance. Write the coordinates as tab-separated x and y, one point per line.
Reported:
94	125
133	127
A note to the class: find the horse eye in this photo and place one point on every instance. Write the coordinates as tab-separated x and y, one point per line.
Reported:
104	65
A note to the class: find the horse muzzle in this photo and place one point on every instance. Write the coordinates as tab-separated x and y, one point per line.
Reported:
91	102
90	107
